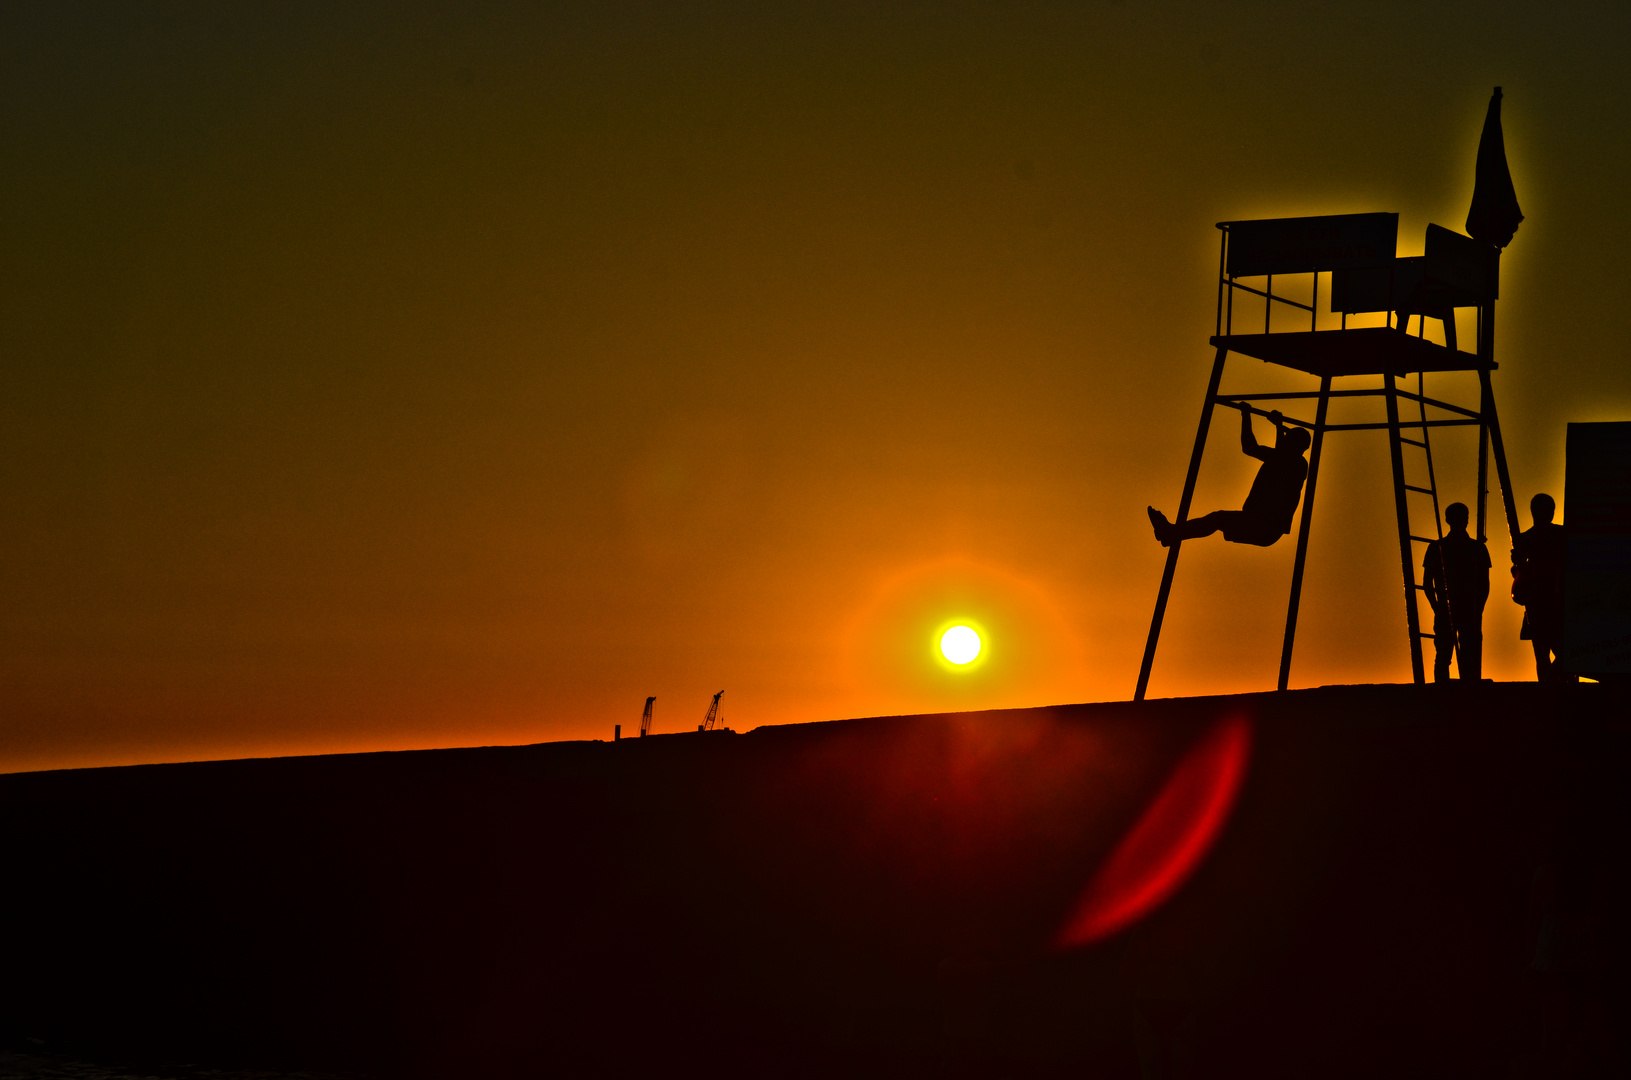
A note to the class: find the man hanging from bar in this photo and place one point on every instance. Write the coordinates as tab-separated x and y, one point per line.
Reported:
1270	505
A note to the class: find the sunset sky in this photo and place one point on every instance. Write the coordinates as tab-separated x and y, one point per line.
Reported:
410	375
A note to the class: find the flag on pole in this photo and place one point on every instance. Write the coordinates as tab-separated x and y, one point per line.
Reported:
1494	215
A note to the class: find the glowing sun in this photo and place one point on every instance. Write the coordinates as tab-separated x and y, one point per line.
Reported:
960	644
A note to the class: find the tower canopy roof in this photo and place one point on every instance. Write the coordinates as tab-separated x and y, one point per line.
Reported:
1307	245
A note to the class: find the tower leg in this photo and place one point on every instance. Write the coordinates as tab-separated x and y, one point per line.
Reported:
1493	423
1183	515
1486	403
1402	511
1483	475
1302	531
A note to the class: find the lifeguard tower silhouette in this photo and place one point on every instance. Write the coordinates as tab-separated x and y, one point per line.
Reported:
1356	255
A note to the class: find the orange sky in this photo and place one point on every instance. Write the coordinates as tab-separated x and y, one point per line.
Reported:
438	375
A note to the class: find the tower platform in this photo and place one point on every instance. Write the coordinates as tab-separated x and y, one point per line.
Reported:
1374	350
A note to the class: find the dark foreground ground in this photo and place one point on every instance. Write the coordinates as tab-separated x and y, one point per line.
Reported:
1414	881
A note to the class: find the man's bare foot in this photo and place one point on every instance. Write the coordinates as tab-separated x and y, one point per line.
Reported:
1163	527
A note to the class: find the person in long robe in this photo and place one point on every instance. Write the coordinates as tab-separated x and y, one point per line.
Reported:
1537	584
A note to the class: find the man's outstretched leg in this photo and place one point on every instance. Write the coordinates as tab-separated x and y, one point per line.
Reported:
1167	532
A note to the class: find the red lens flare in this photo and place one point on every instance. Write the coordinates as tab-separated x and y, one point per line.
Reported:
1169	840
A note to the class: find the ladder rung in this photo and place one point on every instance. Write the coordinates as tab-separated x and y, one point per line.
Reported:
1413	442
1424	539
1420	634
1423	588
1413	487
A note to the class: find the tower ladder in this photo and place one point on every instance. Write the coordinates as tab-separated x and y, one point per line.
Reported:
1402	490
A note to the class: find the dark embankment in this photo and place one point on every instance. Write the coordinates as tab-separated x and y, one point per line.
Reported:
1414	881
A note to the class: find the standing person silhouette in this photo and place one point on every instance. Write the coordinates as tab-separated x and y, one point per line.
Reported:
1266	515
1456	577
1537	584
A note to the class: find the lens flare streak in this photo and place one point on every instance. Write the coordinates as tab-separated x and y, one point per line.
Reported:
1169	840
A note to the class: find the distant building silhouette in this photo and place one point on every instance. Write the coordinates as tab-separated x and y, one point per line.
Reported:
1596	639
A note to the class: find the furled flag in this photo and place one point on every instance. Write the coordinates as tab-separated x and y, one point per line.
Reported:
1494	215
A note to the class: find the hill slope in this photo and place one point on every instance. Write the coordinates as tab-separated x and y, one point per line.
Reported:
1409	874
